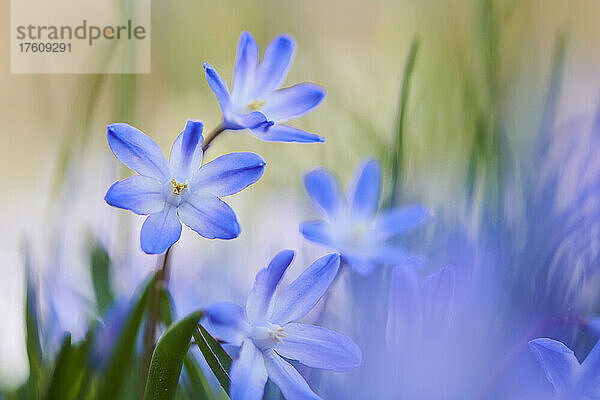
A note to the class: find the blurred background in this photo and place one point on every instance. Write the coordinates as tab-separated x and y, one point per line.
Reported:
502	101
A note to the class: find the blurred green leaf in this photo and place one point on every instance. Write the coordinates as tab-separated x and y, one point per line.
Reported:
68	371
167	359
196	385
116	369
218	365
166	306
100	271
398	147
32	331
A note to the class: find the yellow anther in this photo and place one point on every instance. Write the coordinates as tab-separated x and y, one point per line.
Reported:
278	334
256	105
178	187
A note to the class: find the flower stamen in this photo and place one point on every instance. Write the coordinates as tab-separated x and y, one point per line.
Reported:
278	334
256	105
178	188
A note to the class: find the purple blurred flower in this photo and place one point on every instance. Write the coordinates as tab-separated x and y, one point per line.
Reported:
179	189
352	226
256	102
268	336
570	379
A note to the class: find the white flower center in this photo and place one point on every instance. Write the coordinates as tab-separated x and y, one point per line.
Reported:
175	192
267	336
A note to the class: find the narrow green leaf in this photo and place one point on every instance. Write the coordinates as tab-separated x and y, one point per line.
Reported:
166	306
167	359
196	383
32	339
116	368
398	147
68	371
215	365
217	349
100	271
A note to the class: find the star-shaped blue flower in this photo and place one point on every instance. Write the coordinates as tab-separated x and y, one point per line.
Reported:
268	336
179	189
570	379
351	224
256	102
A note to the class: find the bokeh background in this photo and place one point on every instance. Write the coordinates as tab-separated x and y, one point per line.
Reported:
490	77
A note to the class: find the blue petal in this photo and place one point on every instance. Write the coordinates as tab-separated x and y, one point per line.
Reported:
209	216
290	382
140	194
253	120
219	88
137	151
228	174
292	102
318	347
405	311
160	231
394	256
275	63
366	189
361	265
186	153
286	133
322	187
265	284
245	68
438	299
558	362
396	221
303	293
227	322
589	380
248	374
318	232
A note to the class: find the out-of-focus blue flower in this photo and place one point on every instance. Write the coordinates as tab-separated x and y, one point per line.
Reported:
418	311
256	102
108	332
570	379
267	335
178	189
351	224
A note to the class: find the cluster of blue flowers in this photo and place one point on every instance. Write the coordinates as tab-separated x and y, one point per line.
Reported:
183	189
264	334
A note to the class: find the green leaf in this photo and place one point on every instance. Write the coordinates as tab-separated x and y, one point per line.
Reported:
167	359
217	349
34	348
219	368
68	371
398	147
166	306
196	383
100	271
115	370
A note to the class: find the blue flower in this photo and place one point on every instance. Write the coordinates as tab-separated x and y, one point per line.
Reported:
268	336
256	102
352	225
179	189
570	379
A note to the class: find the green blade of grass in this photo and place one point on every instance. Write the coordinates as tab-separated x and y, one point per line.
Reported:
397	148
211	358
168	357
